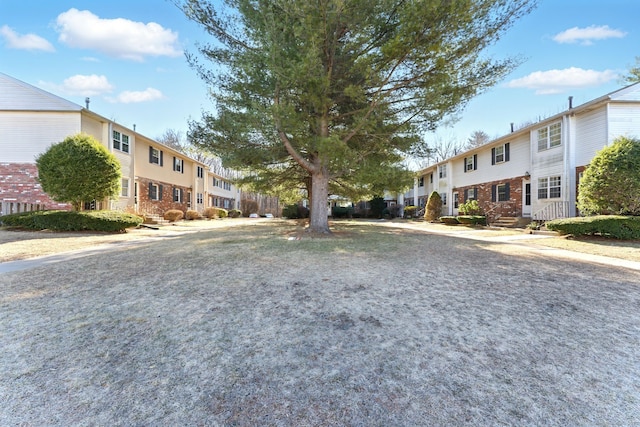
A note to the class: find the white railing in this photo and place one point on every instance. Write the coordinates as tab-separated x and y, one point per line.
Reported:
552	211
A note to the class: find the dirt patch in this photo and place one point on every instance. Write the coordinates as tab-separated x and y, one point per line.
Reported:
380	327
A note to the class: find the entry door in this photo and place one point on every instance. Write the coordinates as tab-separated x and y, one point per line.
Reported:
526	198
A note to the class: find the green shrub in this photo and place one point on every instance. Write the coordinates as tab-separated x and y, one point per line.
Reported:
614	226
210	213
222	213
472	219
173	215
470	207
410	211
191	215
295	211
449	220
434	207
235	213
109	221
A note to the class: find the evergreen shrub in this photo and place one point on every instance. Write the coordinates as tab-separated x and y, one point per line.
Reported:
108	221
612	226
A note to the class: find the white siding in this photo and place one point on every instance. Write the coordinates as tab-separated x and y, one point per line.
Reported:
25	135
624	120
591	135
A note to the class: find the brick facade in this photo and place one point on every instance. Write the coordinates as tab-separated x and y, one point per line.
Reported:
486	193
20	190
165	200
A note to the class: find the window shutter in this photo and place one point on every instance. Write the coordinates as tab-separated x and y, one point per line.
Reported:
181	196
464	164
182	166
174	163
493	156
466	195
150	191
475	162
475	193
506	152
160	189
150	154
493	193
160	157
506	190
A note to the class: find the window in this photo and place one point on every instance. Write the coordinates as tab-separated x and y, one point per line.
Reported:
455	200
550	136
500	154
470	194
155	192
124	191
443	196
500	193
527	194
199	198
177	195
471	163
442	171
200	172
178	164
549	188
227	186
120	141
155	156
431	178
421	181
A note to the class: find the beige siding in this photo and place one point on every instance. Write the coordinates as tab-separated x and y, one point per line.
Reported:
591	134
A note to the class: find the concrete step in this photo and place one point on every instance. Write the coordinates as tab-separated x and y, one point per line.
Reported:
155	219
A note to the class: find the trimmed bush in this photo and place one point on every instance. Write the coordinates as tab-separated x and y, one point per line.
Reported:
222	213
410	211
470	207
472	219
173	215
449	220
214	213
433	209
191	215
295	211
235	213
108	221
613	226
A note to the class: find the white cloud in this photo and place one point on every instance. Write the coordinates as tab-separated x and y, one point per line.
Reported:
119	38
14	40
558	81
81	85
586	35
130	97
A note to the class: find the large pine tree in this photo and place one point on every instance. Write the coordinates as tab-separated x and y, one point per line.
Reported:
341	88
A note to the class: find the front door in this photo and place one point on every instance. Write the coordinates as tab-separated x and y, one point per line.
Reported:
526	198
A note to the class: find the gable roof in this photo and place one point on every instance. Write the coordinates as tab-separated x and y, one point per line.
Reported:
17	95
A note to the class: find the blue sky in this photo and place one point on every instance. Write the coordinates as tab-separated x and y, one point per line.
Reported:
128	58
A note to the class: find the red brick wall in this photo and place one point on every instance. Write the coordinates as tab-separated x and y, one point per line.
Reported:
18	184
158	207
510	208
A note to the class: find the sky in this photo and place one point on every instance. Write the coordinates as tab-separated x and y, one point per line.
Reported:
128	58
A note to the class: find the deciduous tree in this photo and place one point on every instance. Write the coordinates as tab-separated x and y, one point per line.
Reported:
336	84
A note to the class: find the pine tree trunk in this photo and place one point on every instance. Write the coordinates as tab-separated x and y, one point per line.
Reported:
318	215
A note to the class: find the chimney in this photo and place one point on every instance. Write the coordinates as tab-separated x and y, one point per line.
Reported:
87	100
511	127
134	127
570	102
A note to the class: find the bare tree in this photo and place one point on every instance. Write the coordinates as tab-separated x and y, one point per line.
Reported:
477	139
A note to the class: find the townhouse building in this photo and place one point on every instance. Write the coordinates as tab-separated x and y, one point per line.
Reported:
533	172
155	177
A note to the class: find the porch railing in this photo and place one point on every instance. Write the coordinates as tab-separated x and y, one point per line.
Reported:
552	211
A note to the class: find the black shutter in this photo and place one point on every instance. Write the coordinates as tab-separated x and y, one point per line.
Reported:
506	190
150	154
174	163
493	156
465	165
475	193
160	157
493	193
475	162
182	166
466	195
181	196
160	190
506	152
150	191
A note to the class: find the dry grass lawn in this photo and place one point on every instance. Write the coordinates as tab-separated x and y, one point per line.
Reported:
378	326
